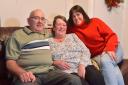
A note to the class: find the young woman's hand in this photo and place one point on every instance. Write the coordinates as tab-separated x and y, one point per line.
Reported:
112	55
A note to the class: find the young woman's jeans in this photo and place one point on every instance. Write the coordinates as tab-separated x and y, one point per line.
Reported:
109	68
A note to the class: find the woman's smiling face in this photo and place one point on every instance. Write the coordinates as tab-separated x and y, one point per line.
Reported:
77	18
60	27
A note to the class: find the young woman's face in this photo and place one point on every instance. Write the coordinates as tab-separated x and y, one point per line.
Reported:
60	27
77	18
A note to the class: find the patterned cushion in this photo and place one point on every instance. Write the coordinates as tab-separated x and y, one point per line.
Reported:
95	64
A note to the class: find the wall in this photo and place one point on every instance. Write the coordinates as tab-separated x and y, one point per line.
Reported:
15	12
124	37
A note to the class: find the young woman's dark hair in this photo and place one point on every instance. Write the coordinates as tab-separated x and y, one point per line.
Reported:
77	8
54	21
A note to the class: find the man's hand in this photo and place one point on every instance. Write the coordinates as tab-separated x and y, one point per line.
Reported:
61	64
27	77
20	72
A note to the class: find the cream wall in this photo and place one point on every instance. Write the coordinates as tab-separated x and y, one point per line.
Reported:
15	12
124	31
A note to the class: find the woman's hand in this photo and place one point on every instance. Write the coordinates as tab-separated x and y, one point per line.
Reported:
81	71
112	55
27	77
61	64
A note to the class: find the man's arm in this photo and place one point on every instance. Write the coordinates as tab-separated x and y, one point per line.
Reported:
14	67
23	75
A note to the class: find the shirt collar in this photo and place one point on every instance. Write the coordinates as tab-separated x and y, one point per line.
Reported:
28	31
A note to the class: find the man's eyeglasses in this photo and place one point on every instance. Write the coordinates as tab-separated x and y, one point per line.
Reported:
39	18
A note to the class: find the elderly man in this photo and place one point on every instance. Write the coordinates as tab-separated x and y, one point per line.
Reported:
28	56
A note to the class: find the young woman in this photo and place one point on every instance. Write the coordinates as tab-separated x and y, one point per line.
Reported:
101	41
71	55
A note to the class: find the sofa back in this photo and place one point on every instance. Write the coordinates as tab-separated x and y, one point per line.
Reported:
5	32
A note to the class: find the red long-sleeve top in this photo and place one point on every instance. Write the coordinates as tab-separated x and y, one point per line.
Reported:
97	36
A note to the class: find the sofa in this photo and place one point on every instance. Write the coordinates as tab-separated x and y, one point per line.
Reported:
5	32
